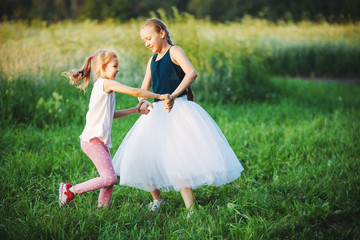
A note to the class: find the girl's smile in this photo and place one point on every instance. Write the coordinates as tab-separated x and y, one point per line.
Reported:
153	40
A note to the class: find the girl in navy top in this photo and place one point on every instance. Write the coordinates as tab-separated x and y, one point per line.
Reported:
192	151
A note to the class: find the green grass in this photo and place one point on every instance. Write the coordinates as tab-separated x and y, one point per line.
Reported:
299	147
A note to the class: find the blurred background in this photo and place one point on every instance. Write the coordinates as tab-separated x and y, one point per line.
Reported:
230	10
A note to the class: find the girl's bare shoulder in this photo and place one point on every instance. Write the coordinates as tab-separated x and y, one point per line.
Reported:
176	50
176	54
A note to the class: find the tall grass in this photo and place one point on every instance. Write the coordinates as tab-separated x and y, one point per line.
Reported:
234	60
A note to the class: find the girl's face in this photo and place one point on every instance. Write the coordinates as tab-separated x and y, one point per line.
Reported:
111	69
153	40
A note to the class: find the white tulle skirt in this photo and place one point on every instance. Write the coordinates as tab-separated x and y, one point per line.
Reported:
170	151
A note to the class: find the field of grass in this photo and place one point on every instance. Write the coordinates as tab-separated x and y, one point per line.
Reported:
300	151
298	140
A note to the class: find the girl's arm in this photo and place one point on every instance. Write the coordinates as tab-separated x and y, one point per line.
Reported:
146	84
178	57
112	85
127	112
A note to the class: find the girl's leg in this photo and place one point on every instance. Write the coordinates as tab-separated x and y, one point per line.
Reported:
188	197
158	200
156	194
105	196
100	155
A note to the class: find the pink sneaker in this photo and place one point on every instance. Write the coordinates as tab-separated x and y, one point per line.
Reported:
65	195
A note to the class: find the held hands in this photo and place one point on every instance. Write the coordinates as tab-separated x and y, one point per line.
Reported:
169	102
167	99
144	107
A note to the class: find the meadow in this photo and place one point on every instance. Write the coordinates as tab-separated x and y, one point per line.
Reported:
297	140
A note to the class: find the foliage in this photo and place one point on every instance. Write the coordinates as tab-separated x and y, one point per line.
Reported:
24	101
124	10
234	60
292	11
323	59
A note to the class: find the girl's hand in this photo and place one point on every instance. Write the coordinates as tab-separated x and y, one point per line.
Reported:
169	103
166	98
144	107
139	106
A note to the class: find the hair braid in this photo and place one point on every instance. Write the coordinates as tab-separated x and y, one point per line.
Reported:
100	58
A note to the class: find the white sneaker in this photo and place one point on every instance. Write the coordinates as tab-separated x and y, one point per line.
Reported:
155	205
189	214
65	195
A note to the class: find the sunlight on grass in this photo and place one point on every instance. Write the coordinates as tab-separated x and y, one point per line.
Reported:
38	50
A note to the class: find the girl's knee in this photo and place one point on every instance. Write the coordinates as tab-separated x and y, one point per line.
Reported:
112	180
108	179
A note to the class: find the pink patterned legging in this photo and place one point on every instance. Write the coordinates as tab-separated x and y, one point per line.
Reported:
100	155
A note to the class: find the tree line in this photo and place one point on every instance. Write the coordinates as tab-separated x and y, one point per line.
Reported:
222	11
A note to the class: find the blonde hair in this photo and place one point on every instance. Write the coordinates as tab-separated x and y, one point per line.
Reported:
158	26
97	63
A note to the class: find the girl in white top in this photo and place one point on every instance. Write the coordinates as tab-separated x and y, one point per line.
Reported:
95	138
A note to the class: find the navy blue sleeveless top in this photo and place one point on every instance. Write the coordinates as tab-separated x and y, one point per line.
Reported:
165	75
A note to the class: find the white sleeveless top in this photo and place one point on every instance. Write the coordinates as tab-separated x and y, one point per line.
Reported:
100	114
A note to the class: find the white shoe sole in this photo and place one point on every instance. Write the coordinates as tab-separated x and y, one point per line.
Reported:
61	186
